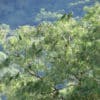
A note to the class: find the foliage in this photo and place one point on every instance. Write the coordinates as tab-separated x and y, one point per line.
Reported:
54	61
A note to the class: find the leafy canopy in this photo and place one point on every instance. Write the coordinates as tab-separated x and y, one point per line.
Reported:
53	60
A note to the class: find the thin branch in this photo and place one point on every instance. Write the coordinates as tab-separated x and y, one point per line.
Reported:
33	74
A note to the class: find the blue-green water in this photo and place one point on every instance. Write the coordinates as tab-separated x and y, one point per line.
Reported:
22	12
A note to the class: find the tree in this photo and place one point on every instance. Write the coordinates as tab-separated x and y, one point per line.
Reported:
54	61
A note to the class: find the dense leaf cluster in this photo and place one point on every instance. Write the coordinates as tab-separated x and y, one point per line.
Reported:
52	61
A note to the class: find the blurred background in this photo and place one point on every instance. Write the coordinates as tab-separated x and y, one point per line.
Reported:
21	12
